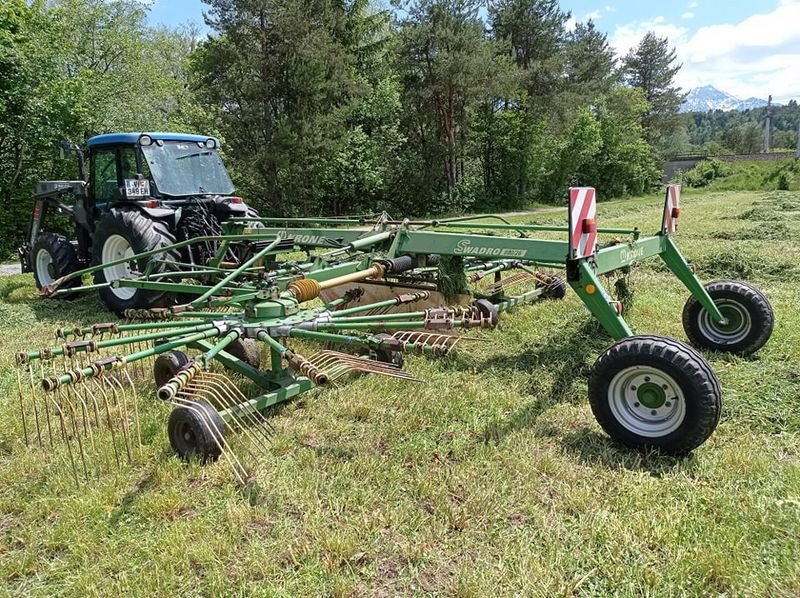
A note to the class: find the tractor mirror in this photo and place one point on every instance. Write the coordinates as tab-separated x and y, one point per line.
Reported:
64	148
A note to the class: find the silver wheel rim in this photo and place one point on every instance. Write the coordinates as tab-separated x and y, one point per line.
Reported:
732	335
117	247
650	421
43	262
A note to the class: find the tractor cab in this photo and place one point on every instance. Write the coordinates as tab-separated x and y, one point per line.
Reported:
136	191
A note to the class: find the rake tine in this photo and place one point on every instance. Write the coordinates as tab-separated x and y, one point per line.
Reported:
230	402
74	395
219	439
65	436
109	380
71	411
22	408
87	391
238	397
35	410
108	420
234	418
135	402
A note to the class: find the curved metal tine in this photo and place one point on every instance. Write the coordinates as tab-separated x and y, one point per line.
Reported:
257	419
109	422
87	392
206	389
75	396
71	411
219	439
107	379
236	394
228	398
135	401
65	435
35	409
22	407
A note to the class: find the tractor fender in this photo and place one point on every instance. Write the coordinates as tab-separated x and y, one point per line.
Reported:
173	215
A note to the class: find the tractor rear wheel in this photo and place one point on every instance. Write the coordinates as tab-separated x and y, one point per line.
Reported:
749	316
196	430
125	233
54	257
653	392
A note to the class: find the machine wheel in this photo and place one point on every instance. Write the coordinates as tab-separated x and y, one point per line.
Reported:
167	365
196	430
749	314
246	349
488	310
652	392
123	233
54	257
555	289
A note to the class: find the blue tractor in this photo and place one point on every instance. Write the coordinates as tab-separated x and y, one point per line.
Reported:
141	191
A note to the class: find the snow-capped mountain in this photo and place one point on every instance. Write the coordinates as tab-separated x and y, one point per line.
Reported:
708	97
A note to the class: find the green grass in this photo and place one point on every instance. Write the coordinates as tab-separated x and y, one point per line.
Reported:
715	175
491	478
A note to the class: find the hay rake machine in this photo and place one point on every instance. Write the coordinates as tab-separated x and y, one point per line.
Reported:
365	292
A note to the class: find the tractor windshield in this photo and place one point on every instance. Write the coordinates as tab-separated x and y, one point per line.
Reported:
186	168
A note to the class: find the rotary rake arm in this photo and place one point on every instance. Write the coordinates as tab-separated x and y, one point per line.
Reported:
366	293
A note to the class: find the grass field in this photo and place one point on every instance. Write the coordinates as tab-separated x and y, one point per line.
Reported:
491	478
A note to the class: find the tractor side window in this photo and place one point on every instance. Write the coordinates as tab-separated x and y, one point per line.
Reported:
128	160
104	176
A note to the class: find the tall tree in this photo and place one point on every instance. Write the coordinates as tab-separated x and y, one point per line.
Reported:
284	77
535	32
590	64
652	67
447	67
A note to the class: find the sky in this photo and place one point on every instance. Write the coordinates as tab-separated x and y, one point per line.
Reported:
748	48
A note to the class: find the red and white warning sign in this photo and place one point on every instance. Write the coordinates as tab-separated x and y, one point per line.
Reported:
582	222
672	209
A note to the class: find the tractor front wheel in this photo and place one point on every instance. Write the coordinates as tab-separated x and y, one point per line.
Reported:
748	314
123	234
54	257
196	430
652	392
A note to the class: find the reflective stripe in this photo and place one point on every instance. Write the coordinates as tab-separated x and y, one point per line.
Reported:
672	206
582	209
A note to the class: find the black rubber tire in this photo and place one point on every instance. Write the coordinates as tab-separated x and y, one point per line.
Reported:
63	258
196	432
246	349
680	362
167	365
742	300
487	309
555	289
143	234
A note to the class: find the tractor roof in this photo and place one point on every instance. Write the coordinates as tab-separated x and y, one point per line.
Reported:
122	138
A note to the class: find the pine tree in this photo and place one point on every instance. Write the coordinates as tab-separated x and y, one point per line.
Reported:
651	67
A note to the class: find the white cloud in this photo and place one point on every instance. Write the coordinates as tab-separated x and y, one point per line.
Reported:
610	8
753	58
693	4
628	36
687	15
594	15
